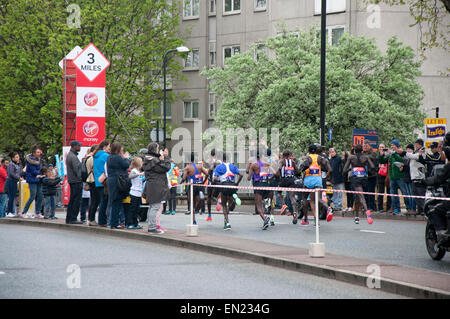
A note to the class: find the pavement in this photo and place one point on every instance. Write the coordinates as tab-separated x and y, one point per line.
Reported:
43	263
392	278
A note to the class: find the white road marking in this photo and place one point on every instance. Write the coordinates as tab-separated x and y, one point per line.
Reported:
372	231
2	273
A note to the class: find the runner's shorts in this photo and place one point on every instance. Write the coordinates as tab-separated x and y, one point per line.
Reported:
228	191
287	182
213	191
264	193
313	182
358	181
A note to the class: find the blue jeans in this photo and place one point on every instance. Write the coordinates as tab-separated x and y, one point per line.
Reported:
3	200
102	214
395	184
338	196
35	194
49	209
409	202
12	192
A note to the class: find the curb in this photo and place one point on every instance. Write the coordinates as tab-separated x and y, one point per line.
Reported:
356	278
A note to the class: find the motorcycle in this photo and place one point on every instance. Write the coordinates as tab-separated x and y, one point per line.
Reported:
436	245
299	203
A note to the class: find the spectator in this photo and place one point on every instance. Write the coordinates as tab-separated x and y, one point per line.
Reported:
73	165
371	176
156	166
116	164
3	194
14	176
32	176
396	174
417	172
132	209
383	182
49	188
337	180
90	181
99	198
173	174
437	157
84	206
348	186
409	202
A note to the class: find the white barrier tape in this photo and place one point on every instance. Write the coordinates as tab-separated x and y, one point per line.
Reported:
310	190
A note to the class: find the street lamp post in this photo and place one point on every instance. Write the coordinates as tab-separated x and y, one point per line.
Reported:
322	70
181	49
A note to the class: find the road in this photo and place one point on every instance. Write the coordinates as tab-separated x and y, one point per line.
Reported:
389	241
34	263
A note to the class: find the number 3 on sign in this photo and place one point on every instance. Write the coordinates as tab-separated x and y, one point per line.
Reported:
91	58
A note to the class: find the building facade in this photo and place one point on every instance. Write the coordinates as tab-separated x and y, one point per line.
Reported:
217	29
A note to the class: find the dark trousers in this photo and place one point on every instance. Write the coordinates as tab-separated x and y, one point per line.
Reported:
84	208
381	188
419	190
350	197
370	188
98	200
173	199
12	192
132	211
91	213
76	190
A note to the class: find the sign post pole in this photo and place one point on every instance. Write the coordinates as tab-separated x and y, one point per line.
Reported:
317	249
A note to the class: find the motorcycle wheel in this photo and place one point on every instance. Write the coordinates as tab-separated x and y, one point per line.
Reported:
435	252
322	213
299	210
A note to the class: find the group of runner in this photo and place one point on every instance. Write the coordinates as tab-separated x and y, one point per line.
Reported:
219	178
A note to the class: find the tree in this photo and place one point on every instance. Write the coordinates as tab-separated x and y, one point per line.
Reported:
432	18
35	35
365	90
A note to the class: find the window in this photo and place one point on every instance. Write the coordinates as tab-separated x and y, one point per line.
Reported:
190	110
212	105
160	110
260	5
336	33
192	59
332	6
191	8
212	7
212	53
260	50
232	6
228	52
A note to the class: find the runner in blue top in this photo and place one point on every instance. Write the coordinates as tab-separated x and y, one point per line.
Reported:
193	173
259	172
225	174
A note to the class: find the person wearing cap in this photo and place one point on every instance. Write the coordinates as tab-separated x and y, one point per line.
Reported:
416	155
73	165
436	157
396	163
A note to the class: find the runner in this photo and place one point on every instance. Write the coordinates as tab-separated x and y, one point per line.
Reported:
213	192
225	174
193	173
286	171
259	173
313	179
358	178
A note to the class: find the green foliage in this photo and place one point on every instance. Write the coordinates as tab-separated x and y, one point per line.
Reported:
35	35
364	89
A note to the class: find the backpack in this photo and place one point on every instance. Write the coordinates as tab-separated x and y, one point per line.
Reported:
84	170
123	183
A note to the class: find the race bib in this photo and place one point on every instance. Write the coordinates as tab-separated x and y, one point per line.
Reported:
359	171
288	171
229	177
314	170
263	176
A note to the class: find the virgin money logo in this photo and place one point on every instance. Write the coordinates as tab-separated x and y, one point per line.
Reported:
90	129
90	99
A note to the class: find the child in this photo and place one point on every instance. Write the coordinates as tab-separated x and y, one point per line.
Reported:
132	209
85	197
50	184
173	175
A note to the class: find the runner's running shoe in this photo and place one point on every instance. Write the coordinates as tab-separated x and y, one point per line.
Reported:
272	220
237	199
356	220
219	205
304	223
266	223
329	214
283	209
226	226
369	217
209	218
294	219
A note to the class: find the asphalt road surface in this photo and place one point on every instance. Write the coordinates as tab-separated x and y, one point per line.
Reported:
34	263
399	242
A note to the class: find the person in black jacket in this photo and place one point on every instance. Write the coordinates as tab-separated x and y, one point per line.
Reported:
49	188
337	179
116	164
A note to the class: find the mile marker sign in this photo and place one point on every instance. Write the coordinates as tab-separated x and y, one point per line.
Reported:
91	62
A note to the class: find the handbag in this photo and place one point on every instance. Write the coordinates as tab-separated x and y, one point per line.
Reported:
102	179
383	170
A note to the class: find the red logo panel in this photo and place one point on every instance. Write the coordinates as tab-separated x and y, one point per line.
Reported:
90	130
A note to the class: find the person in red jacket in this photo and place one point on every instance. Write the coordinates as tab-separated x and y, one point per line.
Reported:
3	195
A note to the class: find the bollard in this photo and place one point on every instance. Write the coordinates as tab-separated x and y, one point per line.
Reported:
317	249
191	229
